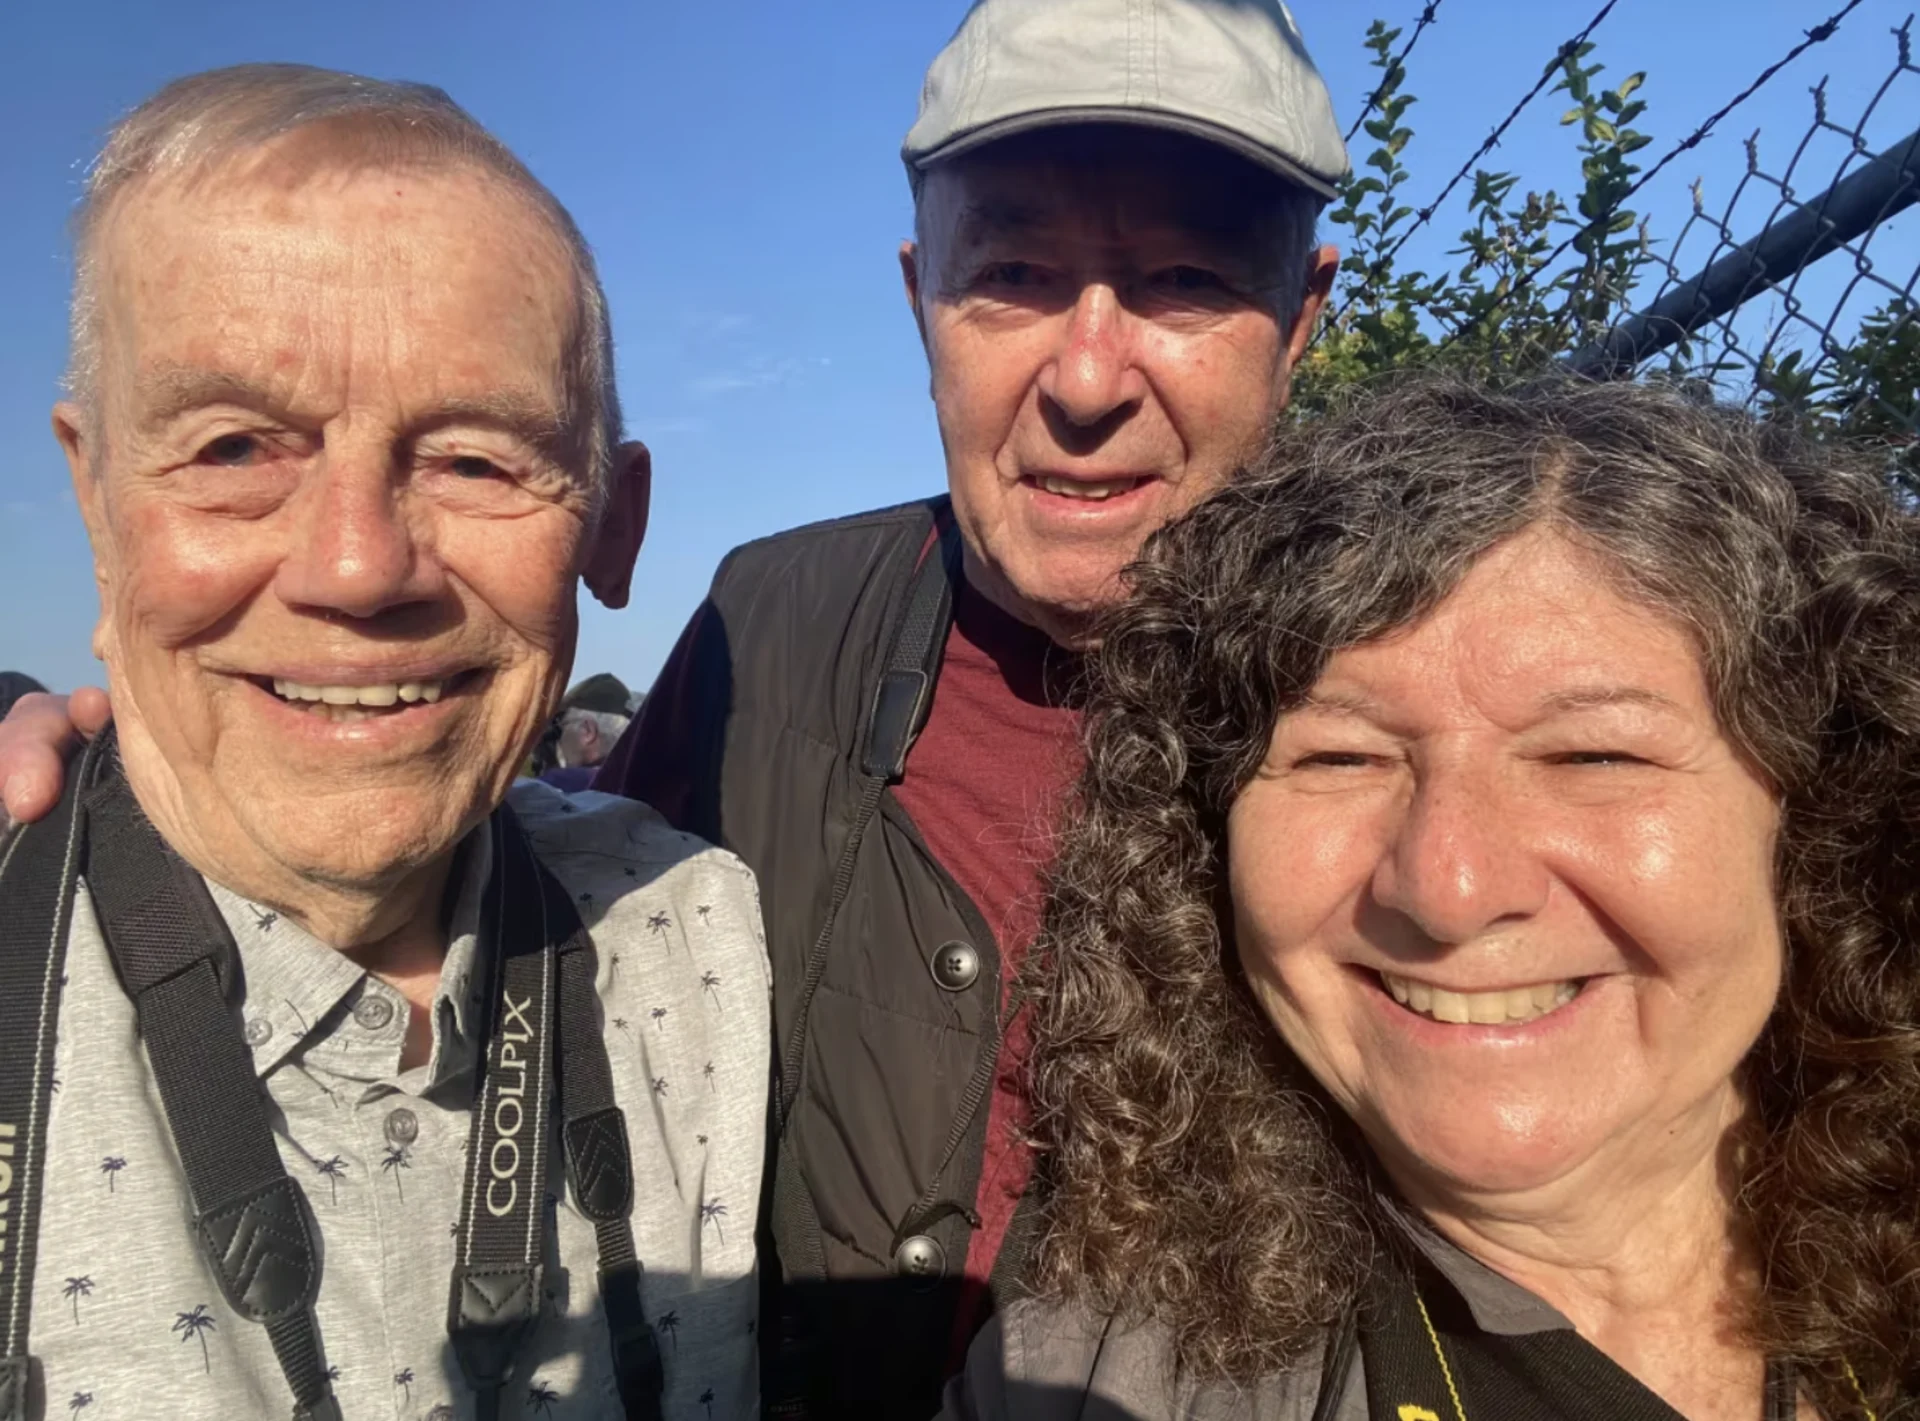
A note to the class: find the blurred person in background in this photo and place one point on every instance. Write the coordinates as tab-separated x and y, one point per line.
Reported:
592	718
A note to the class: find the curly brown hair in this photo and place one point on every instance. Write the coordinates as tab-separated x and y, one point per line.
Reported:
1196	1173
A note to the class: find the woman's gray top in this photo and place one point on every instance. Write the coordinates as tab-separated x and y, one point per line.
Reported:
1042	1362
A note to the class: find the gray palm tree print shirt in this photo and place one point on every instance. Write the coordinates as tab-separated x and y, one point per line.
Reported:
127	1320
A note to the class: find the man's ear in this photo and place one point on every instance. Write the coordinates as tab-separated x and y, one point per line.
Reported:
623	526
75	431
910	278
1322	267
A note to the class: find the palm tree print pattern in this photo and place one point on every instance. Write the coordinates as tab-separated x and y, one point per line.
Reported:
706	1400
658	923
541	1397
710	985
81	1401
196	1325
76	1289
670	1324
712	1212
111	1167
333	1171
659	1016
404	1380
396	1159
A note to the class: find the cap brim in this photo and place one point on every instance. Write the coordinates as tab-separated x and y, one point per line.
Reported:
975	138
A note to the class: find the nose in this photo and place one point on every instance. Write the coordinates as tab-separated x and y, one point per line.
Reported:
359	546
1459	861
1095	371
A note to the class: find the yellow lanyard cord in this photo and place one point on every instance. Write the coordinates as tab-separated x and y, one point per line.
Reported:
1460	1411
1858	1390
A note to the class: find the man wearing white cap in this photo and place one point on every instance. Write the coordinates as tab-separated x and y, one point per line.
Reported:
1113	272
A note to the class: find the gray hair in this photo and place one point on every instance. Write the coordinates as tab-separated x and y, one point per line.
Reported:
1197	1172
610	726
194	124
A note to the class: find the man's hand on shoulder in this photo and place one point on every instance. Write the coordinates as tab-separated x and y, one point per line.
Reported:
37	738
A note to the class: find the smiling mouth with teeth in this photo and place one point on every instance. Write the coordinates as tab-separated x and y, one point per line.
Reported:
1090	490
1515	1006
352	703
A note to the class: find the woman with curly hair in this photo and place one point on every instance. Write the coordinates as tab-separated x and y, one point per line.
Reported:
1481	978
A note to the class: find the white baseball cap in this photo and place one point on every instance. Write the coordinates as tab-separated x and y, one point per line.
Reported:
1232	72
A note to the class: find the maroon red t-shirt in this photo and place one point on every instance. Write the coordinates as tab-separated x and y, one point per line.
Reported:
984	785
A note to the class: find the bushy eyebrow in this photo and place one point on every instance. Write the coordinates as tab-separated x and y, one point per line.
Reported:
986	218
1340	703
1581	698
1577	698
169	391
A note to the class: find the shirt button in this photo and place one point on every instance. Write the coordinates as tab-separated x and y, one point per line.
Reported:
259	1032
920	1257
403	1127
956	966
373	1012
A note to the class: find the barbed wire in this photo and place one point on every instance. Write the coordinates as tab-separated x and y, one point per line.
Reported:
1425	214
1373	100
1819	34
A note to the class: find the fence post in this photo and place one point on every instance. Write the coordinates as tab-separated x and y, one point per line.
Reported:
1857	203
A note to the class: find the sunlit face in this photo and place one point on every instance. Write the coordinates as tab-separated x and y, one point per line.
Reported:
1505	887
331	462
1104	324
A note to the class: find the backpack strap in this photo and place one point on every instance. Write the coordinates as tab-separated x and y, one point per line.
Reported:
177	961
39	875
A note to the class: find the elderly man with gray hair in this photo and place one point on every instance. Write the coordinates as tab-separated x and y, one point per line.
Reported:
327	1063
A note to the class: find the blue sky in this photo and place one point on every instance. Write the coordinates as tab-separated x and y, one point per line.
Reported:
736	168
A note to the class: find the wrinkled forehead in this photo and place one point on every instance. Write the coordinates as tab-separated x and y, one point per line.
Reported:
276	262
1108	184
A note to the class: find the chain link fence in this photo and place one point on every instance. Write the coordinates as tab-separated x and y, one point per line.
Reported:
1792	284
1797	290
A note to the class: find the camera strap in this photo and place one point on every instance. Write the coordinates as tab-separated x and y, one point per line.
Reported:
542	1024
39	869
546	1060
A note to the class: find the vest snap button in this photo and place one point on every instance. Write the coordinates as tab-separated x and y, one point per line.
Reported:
920	1257
956	966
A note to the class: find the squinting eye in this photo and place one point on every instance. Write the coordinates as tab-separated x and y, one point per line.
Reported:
1333	759
1189	278
231	451
472	466
1600	757
1010	274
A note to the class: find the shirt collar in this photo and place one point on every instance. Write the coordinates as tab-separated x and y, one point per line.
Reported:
303	996
1499	1305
